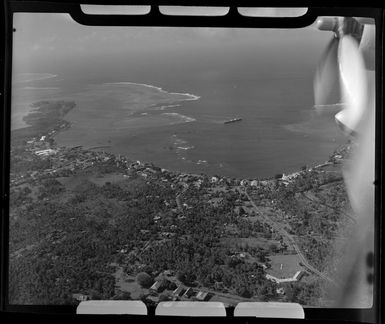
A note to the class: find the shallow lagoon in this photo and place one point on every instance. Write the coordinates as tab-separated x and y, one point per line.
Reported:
185	132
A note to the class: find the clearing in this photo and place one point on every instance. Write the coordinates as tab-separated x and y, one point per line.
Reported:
284	266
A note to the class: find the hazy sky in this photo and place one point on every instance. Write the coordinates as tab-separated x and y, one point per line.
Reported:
43	40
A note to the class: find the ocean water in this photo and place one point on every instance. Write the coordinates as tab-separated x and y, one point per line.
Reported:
186	133
170	110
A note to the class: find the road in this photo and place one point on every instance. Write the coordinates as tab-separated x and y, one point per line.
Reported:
279	228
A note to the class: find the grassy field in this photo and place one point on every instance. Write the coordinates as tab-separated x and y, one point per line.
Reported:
112	178
290	265
72	182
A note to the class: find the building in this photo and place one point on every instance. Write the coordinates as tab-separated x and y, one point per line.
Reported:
298	275
218	285
46	152
156	287
179	291
159	285
189	293
289	177
280	291
244	182
254	183
168	273
80	297
202	296
167	235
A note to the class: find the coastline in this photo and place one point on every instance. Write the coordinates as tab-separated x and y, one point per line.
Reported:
62	125
155	111
61	164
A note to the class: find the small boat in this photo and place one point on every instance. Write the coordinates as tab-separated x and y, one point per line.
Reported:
232	120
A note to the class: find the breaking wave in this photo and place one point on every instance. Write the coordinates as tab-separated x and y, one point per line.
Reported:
27	77
188	95
179	117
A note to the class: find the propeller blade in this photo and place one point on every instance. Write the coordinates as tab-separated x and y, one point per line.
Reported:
356	289
353	81
326	77
367	46
357	118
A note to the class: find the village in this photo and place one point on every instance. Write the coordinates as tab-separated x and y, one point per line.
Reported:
66	162
253	202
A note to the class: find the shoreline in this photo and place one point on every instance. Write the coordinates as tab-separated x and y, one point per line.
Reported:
174	117
55	163
62	125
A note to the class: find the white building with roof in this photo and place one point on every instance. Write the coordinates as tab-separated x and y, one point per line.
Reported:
296	277
46	152
254	183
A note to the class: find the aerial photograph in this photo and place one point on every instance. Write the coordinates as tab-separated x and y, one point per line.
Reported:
173	164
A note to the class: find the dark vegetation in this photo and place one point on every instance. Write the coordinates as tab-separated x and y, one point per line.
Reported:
64	238
74	241
316	205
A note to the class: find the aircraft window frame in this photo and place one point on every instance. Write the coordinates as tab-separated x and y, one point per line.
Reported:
154	18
